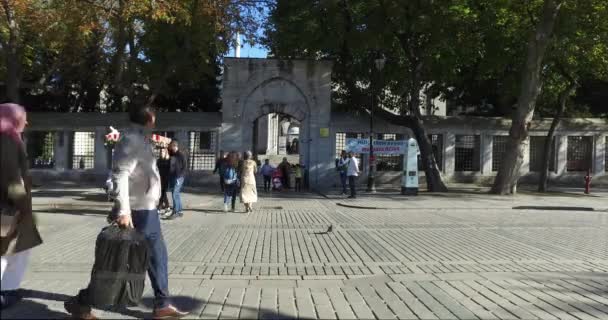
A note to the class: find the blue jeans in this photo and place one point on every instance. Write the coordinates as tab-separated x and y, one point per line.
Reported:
343	179
175	186
147	222
230	194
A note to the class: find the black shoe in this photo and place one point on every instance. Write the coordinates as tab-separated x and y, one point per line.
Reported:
352	197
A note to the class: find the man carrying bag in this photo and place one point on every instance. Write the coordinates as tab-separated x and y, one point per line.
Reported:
136	193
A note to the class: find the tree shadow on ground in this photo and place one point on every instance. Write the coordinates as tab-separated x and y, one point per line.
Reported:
77	212
99	196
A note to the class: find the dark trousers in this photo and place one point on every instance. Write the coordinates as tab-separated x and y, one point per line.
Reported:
352	180
222	183
163	203
230	192
267	180
343	179
298	184
148	223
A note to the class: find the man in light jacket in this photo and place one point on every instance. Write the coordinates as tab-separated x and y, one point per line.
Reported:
353	173
136	192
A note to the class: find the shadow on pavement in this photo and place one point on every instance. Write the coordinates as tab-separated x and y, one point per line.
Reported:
554	208
78	212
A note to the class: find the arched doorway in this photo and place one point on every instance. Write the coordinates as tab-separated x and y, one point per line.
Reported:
298	90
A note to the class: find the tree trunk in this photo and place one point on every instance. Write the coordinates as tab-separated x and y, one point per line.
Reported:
11	48
509	171
549	140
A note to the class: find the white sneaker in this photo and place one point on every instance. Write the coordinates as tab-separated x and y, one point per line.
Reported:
225	208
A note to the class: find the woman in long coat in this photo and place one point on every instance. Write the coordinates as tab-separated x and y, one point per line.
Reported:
19	233
249	191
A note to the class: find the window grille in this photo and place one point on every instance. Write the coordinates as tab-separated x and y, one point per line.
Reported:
83	150
579	153
499	147
606	155
467	153
537	147
389	162
201	149
41	149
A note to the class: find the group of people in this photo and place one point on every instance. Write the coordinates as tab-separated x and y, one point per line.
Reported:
237	177
136	190
274	178
172	167
348	167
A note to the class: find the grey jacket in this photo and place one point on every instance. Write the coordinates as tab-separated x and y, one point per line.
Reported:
135	175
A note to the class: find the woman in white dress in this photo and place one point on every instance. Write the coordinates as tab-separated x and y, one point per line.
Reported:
249	192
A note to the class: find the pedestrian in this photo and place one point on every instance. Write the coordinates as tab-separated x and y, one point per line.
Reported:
19	231
353	173
267	171
137	188
249	192
164	166
177	172
231	181
285	168
218	169
298	173
342	167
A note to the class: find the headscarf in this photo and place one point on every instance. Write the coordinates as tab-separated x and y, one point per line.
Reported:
12	120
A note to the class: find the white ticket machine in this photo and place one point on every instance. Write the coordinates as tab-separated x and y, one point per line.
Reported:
409	181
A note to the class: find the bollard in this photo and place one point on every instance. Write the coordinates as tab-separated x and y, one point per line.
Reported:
588	182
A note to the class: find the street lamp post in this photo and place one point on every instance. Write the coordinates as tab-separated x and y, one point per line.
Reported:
371	179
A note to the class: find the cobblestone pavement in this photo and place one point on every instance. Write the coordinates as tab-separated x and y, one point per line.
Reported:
450	256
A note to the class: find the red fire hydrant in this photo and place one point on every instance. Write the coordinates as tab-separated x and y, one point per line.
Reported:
588	182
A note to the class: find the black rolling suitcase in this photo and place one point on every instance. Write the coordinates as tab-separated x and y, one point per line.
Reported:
119	272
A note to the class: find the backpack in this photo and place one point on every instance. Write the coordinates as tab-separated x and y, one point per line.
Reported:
230	175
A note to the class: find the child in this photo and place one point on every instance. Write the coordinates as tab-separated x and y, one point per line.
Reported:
298	173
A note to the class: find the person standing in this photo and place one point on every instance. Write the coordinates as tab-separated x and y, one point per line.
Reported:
137	189
164	165
249	192
353	173
19	231
231	181
267	171
285	168
342	167
219	164
298	173
177	172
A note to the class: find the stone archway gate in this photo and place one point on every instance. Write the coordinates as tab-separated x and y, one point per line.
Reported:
298	88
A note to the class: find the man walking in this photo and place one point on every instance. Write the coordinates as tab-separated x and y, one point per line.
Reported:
353	173
267	171
177	173
342	167
219	169
136	192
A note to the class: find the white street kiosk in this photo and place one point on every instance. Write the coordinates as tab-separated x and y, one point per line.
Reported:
409	150
409	181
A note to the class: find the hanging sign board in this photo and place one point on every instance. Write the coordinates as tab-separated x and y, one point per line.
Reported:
380	146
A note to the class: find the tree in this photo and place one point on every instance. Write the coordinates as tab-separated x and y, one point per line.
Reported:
104	55
419	38
531	82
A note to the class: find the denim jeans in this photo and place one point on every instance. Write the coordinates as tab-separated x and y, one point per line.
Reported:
176	189
343	179
147	222
352	181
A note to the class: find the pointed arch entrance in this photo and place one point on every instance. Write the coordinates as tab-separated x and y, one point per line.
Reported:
300	89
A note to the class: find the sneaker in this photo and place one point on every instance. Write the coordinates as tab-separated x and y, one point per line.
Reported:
78	311
225	208
169	312
171	216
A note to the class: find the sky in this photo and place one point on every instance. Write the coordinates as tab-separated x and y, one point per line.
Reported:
248	51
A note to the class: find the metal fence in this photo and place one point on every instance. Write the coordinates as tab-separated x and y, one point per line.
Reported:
83	150
537	148
201	150
41	149
467	153
580	153
499	147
